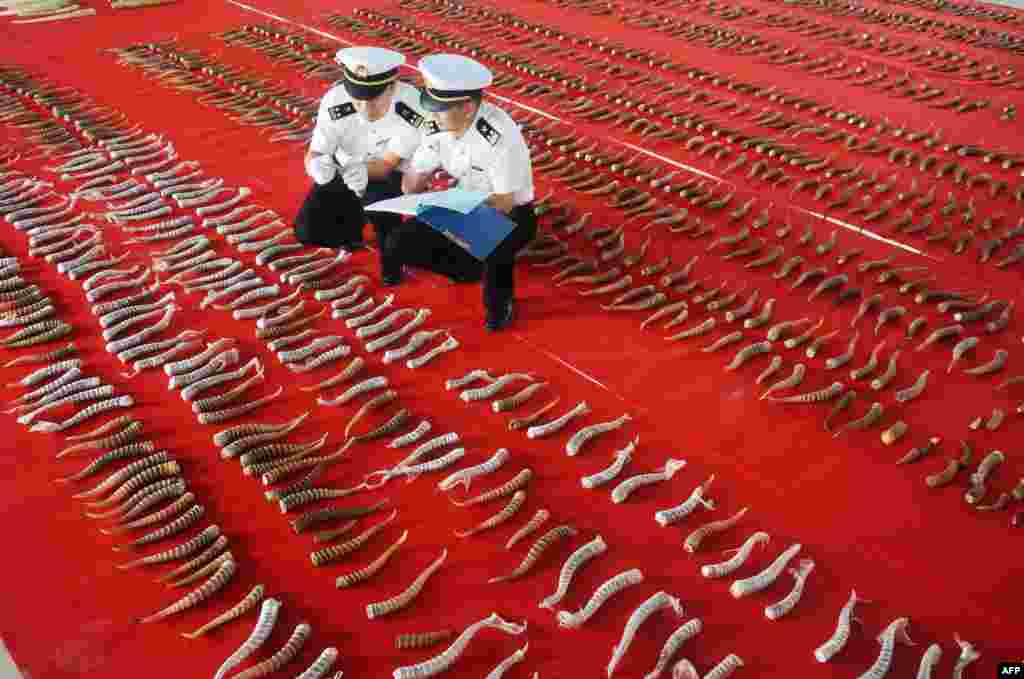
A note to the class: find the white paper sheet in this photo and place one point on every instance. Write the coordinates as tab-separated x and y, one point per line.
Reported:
457	200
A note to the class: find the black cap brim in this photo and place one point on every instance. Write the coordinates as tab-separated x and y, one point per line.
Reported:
429	103
364	92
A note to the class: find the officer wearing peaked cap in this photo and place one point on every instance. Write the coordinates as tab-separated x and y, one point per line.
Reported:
367	129
482	147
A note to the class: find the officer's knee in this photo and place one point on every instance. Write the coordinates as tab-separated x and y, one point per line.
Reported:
304	234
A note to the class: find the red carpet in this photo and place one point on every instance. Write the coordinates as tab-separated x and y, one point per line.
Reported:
868	524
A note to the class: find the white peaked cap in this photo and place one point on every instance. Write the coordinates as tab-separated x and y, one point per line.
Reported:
453	72
369	61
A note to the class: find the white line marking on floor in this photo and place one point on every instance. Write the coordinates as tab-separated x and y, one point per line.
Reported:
872	235
289	21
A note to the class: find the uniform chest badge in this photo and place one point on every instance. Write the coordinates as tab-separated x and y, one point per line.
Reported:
341	111
488	132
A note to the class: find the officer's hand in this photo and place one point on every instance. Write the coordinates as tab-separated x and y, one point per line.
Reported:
426	159
356	178
321	168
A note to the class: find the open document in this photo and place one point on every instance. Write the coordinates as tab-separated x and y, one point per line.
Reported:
460	216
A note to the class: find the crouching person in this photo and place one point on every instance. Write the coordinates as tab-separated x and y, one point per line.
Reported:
481	146
367	129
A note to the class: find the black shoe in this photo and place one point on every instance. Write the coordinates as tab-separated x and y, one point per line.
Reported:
502	318
391	280
463	278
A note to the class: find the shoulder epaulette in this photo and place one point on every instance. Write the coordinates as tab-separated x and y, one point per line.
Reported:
488	132
406	113
341	110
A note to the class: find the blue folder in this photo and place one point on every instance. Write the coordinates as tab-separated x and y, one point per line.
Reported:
478	232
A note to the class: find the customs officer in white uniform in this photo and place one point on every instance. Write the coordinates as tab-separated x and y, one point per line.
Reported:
482	147
367	129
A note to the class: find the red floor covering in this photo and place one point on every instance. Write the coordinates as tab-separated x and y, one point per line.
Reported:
867	524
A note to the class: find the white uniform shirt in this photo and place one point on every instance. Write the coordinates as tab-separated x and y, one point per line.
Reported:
491	156
340	128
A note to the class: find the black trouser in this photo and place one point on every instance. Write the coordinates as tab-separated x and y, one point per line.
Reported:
416	244
332	215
